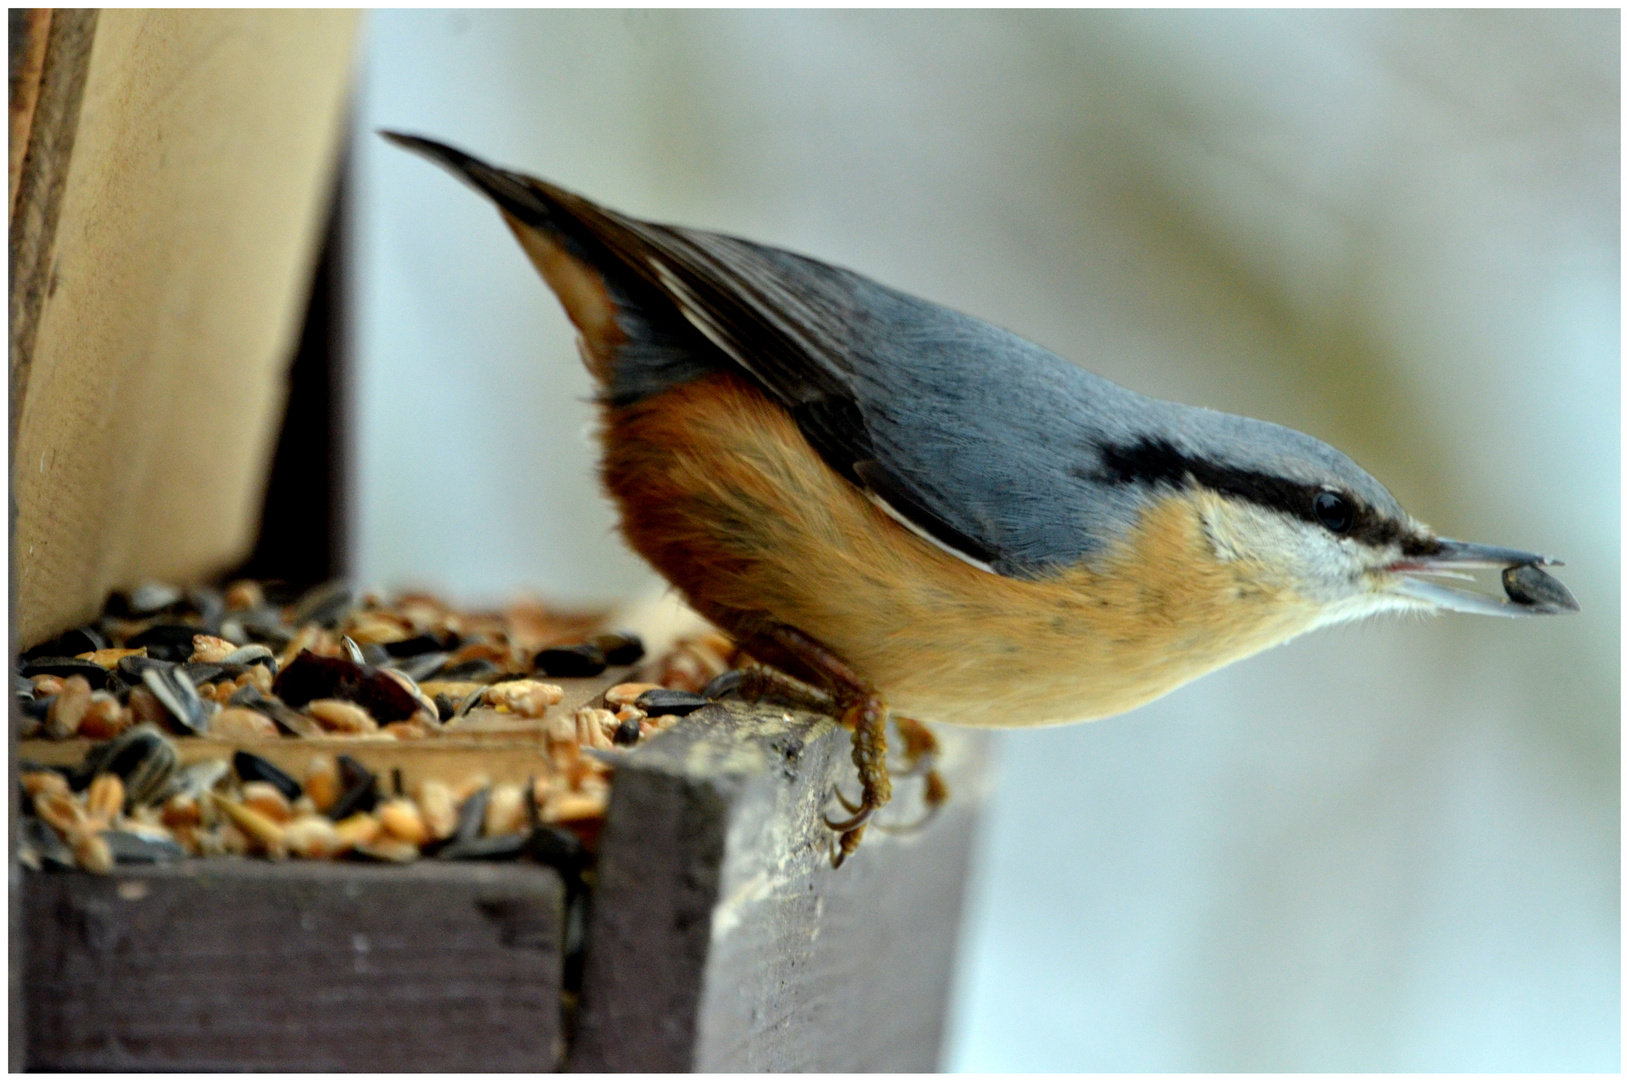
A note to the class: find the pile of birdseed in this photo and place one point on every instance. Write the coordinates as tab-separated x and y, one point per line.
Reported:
164	668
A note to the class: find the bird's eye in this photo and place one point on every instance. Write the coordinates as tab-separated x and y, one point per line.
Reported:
1333	511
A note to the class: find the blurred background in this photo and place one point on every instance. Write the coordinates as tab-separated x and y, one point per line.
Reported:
1392	846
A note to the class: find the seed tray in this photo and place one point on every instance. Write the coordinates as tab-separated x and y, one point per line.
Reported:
715	934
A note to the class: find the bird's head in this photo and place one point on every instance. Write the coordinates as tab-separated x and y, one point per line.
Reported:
1310	524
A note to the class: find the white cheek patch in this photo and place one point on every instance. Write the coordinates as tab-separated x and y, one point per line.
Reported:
1240	530
1291	553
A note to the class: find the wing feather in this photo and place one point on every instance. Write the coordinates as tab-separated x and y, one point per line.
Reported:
952	426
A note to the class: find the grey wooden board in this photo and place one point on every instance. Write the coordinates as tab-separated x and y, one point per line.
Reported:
721	939
232	964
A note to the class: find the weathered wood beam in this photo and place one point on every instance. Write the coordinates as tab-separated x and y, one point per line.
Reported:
720	938
231	964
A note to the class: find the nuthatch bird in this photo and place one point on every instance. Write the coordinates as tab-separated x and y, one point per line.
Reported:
904	506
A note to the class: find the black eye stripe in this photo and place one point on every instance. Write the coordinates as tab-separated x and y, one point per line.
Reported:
1154	461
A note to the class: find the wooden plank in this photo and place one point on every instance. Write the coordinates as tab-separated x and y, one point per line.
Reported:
153	322
720	937
506	748
232	964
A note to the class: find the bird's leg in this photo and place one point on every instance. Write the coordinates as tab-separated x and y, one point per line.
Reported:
852	700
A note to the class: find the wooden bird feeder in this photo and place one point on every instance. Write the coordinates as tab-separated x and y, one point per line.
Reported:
169	174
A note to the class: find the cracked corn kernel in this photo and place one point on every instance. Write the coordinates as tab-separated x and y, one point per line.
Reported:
439	812
239	723
109	658
93	853
627	693
505	812
341	716
312	836
68	708
104	799
574	806
181	810
265	832
265	798
402	820
358	829
524	697
43	781
322	781
208	649
104	717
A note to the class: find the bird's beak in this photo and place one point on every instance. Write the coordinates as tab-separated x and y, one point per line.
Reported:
1530	591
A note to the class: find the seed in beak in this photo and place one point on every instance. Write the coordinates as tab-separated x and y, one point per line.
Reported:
1527	585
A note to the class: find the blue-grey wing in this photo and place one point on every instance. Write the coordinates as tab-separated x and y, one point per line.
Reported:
981	441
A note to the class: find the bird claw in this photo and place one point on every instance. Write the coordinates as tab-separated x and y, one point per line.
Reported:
934	796
727	683
848	805
861	815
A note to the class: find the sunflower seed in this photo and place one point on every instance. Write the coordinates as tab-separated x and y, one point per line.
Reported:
210	604
1533	587
252	654
175	692
66	666
252	767
570	661
472	816
360	790
620	647
413	646
165	641
152	597
198	778
669	702
470	670
133	848
142	757
84	639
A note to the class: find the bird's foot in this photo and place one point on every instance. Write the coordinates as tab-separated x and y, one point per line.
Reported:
842	694
867	716
856	704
